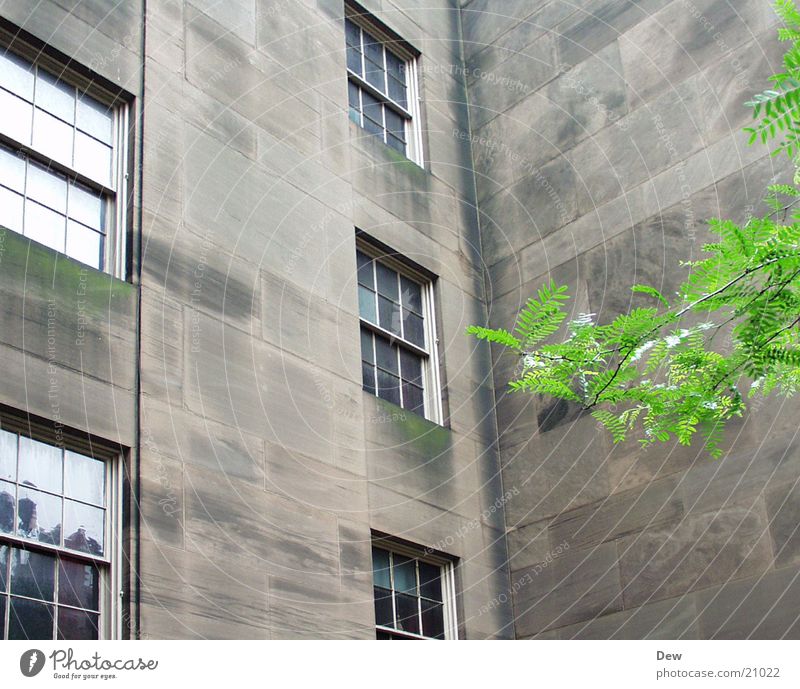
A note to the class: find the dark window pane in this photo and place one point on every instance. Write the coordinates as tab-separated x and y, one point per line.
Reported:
375	71
354	59
78	584
387	282
77	624
380	568
38	516
410	367
84	478
386	354
396	144
395	124
373	114
383	636
366	346
411	293
430	581
388	387
365	276
33	574
389	313
383	607
396	67
405	574
432	619
368	377
352	33
4	553
39	465
7	500
30	620
366	304
413	328
84	527
413	398
398	92
407	613
355	106
3	600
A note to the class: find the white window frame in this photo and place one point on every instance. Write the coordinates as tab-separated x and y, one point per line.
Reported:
447	566
429	354
115	246
392	44
110	564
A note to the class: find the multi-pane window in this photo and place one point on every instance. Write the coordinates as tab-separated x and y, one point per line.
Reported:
413	596
382	87
54	546
396	336
60	158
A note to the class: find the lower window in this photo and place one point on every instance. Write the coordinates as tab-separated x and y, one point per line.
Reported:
414	595
55	549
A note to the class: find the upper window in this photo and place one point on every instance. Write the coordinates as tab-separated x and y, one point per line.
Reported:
397	338
55	544
61	156
382	84
414	596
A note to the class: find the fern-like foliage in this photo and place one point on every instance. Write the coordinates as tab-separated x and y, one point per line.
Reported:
682	369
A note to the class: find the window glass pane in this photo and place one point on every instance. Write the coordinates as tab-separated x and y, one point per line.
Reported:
52	137
3	601
407	613
383	607
380	568
413	328
411	293
388	387
413	398
352	33
4	553
386	354
87	207
366	304
84	244
7	502
78	584
12	170
93	158
375	71
16	119
94	118
405	574
395	143
430	581
354	59
389	313
39	465
410	367
387	282
368	377
47	188
366	347
33	575
38	516
365	276
11	213
16	75
398	92
77	624
30	620
44	226
83	528
84	478
395	124
373	114
55	96
352	99
396	67
432	619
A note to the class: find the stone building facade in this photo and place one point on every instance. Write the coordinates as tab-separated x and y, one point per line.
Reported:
238	396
